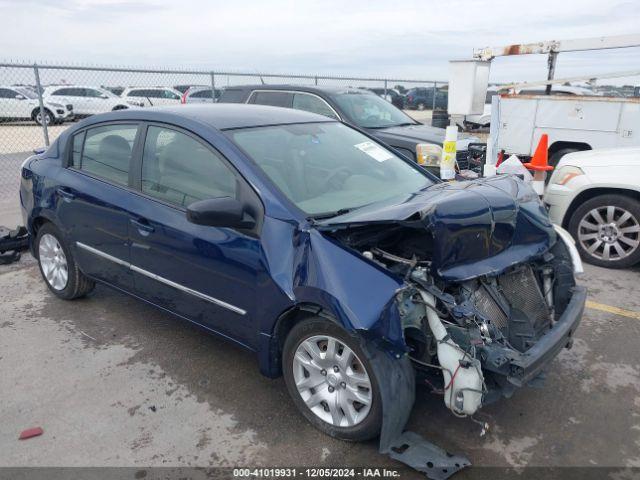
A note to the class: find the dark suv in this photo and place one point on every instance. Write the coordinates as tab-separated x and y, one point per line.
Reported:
422	98
358	107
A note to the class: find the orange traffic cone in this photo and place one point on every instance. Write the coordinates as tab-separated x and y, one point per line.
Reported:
540	160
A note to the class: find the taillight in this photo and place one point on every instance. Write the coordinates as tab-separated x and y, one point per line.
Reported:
183	99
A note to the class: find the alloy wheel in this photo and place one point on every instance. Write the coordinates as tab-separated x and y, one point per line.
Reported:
53	262
609	233
332	381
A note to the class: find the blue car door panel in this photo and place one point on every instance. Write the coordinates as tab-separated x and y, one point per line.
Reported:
92	198
206	274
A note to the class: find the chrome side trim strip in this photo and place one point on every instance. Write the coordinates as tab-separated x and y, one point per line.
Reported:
160	279
195	293
100	253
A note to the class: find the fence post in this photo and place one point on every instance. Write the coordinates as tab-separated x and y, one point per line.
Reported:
385	89
316	79
42	116
213	87
435	88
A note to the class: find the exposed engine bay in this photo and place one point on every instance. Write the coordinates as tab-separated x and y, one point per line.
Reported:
470	340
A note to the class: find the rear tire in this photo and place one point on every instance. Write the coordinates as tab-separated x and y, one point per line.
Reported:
58	267
608	226
339	379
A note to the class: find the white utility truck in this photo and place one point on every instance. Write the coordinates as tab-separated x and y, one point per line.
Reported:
573	123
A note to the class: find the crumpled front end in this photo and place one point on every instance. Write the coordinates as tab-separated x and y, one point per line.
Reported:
489	295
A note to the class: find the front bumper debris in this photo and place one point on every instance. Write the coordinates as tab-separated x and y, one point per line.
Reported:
519	368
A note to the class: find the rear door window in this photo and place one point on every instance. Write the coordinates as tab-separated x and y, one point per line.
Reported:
275	99
7	93
107	152
313	104
202	94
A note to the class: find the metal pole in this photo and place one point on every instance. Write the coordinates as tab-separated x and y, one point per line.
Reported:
316	79
385	89
435	86
42	115
551	63
213	87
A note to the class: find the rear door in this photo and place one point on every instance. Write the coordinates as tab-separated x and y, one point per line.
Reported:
92	200
10	106
97	102
207	275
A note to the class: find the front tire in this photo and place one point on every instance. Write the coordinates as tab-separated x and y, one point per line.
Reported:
331	380
48	117
58	267
607	231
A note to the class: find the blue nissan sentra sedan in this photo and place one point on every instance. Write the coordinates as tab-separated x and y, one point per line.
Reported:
345	267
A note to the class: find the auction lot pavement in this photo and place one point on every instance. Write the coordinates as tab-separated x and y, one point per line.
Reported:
115	382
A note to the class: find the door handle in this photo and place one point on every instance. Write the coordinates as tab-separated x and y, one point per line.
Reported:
65	193
143	226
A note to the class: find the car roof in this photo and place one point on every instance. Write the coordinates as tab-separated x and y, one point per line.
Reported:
222	116
50	87
301	88
156	87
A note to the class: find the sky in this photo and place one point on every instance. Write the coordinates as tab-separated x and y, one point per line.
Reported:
407	39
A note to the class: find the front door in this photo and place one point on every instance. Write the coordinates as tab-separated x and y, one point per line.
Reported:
204	274
92	200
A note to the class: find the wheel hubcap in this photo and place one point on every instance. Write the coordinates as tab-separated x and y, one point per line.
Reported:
53	262
609	233
332	381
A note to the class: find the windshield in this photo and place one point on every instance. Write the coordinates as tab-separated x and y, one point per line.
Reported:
26	92
367	110
328	168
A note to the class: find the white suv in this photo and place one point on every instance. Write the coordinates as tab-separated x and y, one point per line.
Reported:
21	103
595	195
151	96
85	100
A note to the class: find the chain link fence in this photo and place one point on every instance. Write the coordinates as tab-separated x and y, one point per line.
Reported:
38	102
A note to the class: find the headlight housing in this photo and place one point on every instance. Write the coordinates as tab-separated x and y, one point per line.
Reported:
57	105
565	174
428	154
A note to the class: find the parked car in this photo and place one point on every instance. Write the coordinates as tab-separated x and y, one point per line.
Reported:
200	95
390	95
85	100
21	103
151	96
595	195
421	98
358	107
345	267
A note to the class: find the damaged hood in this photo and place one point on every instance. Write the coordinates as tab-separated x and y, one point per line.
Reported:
480	227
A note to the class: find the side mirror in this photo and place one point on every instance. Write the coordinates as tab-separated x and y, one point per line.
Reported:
220	212
20	97
103	96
